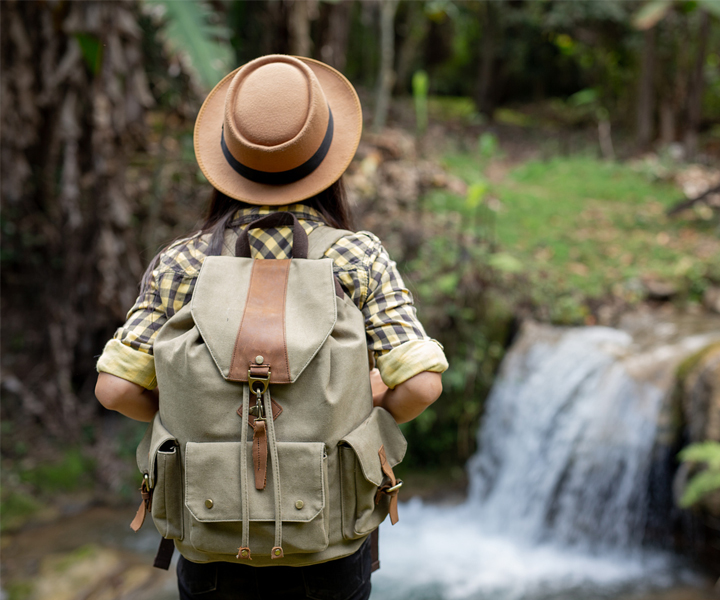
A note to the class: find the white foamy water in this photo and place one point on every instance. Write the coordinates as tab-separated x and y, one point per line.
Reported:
558	499
444	553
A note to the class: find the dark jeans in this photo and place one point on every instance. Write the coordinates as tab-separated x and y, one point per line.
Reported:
342	579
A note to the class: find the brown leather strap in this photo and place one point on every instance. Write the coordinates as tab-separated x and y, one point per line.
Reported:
262	329
164	554
300	238
244	553
144	508
139	519
260	453
387	470
375	550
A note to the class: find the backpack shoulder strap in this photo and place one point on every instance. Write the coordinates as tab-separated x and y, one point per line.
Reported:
321	238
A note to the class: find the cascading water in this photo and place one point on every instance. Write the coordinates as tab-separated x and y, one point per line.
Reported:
558	497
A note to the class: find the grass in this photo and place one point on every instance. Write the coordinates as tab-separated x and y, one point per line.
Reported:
583	228
28	487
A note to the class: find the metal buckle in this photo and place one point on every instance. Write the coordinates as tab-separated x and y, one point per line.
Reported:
263	381
394	488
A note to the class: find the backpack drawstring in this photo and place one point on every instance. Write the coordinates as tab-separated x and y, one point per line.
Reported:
277	551
244	550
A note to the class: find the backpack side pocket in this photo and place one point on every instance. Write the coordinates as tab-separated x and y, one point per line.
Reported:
167	499
361	472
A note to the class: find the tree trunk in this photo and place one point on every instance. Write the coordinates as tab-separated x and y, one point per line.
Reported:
696	88
667	122
300	13
646	91
485	98
417	28
74	95
334	51
386	76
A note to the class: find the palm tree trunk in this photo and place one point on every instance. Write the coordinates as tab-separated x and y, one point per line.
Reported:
696	87
386	76
646	91
74	95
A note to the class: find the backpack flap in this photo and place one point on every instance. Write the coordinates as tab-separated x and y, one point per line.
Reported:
361	472
379	429
280	310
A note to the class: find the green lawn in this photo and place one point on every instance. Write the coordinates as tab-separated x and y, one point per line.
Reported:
584	228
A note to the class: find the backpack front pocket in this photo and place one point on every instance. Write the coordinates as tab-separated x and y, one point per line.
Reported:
361	472
214	498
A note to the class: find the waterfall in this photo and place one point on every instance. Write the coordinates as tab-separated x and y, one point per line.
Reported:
558	496
567	441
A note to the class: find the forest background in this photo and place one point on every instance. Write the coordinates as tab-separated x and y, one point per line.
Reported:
554	160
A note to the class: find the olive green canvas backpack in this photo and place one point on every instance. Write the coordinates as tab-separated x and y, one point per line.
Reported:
266	448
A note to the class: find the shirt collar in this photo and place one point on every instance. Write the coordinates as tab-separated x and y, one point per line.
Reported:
250	213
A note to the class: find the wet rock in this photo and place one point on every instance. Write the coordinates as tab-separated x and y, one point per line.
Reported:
711	299
699	392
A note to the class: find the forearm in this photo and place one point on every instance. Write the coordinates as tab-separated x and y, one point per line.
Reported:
126	397
410	398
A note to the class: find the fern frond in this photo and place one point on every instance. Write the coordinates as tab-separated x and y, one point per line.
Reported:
189	30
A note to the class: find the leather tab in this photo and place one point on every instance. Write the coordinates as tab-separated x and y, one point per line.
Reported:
260	453
277	552
387	470
244	554
139	519
145	507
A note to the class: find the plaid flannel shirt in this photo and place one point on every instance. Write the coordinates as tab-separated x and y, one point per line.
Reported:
366	273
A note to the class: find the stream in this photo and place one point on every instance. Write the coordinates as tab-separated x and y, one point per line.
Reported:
558	504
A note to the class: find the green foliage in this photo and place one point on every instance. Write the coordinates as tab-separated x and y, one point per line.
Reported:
488	145
92	51
68	474
190	30
420	85
20	590
706	481
16	507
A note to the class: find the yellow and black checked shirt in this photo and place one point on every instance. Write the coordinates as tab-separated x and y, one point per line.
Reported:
365	271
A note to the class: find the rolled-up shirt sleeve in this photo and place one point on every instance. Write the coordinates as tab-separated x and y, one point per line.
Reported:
395	335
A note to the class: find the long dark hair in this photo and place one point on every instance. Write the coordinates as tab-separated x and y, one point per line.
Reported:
331	203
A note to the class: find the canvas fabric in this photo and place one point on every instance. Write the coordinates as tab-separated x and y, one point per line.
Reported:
324	467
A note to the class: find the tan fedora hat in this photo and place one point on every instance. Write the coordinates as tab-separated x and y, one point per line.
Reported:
278	130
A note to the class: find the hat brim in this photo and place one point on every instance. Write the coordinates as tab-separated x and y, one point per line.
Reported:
347	116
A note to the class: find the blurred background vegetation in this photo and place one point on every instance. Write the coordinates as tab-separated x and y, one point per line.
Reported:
521	159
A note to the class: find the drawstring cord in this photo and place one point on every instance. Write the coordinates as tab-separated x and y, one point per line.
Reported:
244	550
277	551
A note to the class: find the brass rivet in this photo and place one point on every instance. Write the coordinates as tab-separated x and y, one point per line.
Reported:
209	503
259	359
277	552
243	553
299	504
